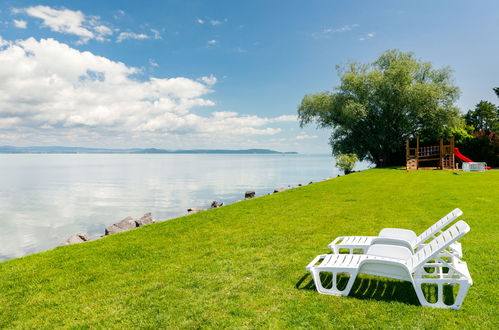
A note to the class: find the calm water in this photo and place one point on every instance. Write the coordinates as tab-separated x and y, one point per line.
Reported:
44	199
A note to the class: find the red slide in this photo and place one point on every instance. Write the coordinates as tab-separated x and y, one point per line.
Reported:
461	156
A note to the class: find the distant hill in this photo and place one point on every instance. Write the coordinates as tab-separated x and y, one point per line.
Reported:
78	150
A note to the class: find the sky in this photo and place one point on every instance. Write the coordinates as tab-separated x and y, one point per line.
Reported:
214	74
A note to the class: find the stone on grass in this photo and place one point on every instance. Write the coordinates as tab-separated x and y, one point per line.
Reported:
194	210
216	204
145	220
278	190
75	239
249	194
124	225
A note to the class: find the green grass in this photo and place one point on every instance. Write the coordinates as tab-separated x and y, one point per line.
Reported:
243	265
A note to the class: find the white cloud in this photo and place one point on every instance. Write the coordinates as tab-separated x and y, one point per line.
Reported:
78	97
210	81
215	22
306	137
153	63
240	50
119	14
329	31
3	42
103	30
131	35
68	21
156	34
21	24
212	42
200	21
367	36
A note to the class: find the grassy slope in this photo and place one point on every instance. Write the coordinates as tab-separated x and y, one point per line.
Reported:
243	264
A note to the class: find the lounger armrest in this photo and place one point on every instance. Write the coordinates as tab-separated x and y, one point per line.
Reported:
316	260
335	241
392	241
390	251
399	233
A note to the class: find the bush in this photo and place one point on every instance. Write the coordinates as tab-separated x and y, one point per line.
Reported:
346	162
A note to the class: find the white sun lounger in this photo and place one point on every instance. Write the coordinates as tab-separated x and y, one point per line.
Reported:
397	236
399	263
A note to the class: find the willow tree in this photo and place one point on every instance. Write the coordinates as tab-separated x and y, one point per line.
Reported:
380	104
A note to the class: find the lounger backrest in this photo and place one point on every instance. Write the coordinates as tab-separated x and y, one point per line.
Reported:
441	242
436	227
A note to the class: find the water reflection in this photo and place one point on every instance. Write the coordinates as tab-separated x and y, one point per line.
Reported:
46	198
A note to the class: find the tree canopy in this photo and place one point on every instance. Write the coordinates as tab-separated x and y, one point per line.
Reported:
484	117
380	104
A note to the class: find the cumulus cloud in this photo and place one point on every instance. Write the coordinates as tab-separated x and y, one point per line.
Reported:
21	24
153	63
367	36
53	93
306	137
212	42
210	81
131	35
68	21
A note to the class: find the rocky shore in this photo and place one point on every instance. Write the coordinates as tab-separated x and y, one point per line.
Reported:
129	223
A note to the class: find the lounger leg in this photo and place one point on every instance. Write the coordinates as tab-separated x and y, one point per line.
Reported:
464	285
463	290
334	289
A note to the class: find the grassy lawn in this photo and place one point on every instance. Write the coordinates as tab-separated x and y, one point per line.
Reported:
243	265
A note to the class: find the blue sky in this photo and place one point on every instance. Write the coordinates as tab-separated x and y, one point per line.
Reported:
214	74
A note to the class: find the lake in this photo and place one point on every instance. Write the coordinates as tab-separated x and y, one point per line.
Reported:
45	198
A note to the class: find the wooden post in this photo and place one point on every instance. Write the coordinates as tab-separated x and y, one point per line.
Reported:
442	155
417	152
407	154
451	156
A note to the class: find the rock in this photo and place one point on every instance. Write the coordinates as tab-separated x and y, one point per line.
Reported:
145	220
278	190
216	204
195	210
75	239
124	225
310	182
299	184
249	194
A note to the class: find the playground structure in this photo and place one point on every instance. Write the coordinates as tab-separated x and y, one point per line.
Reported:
443	153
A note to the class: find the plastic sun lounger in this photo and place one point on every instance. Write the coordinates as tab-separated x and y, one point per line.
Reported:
397	236
399	263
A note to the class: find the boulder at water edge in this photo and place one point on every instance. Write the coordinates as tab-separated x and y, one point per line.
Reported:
194	210
125	224
216	204
145	220
75	239
249	194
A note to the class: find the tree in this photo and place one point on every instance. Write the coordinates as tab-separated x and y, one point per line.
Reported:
484	117
346	162
496	90
380	104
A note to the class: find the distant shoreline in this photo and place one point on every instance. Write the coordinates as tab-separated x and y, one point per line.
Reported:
78	150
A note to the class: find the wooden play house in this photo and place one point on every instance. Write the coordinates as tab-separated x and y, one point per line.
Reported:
442	154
